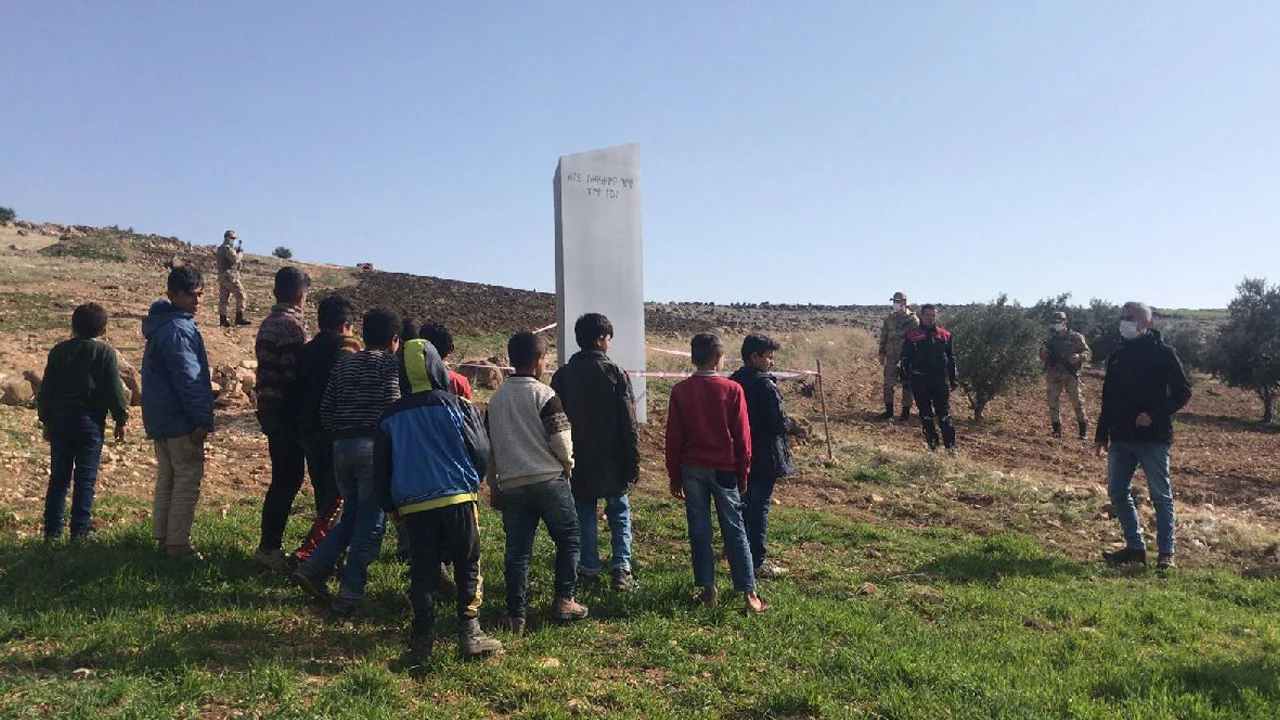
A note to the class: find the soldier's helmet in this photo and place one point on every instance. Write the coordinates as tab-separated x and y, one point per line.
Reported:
229	235
899	297
1059	317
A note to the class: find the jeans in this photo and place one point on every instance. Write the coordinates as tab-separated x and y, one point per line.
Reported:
179	472
449	533
550	502
1123	460
755	514
74	453
618	510
933	397
360	529
701	486
288	469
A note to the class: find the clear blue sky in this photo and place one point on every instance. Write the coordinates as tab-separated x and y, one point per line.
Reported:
789	151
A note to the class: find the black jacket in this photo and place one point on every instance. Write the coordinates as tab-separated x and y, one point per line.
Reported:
1144	375
317	361
597	398
770	454
927	353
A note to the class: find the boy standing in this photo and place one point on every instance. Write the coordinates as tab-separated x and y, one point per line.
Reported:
362	386
431	452
439	336
177	407
81	385
708	456
598	400
770	454
278	349
929	363
532	452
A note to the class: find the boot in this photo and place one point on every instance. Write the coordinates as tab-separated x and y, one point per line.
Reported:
1084	430
1125	556
1057	429
223	321
887	414
474	643
240	319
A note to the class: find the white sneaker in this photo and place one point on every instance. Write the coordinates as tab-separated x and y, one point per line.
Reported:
770	571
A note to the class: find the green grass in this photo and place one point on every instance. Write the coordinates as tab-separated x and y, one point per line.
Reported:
958	626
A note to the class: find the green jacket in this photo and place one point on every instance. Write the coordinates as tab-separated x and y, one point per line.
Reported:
82	377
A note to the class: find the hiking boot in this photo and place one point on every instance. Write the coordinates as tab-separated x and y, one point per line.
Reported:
515	625
708	597
1084	430
567	610
314	587
240	319
420	647
1057	430
769	571
886	415
223	321
621	580
1125	557
1165	562
273	560
474	643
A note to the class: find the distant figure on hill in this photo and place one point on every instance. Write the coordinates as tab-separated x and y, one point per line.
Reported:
929	364
1145	386
892	331
229	258
1063	354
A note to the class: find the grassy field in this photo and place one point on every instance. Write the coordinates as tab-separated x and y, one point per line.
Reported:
873	622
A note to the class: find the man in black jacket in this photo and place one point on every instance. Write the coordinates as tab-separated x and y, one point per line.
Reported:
1144	387
770	455
597	397
929	365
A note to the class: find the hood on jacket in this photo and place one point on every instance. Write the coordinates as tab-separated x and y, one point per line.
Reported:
162	313
422	369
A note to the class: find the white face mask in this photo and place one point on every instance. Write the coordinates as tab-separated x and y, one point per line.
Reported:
1129	329
1058	327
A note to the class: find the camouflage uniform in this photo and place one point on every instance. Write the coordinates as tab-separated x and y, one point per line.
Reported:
1061	373
229	278
895	327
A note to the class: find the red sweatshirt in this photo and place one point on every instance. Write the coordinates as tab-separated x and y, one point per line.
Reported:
707	426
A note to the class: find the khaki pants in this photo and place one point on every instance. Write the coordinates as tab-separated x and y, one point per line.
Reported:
891	381
229	286
179	470
1055	383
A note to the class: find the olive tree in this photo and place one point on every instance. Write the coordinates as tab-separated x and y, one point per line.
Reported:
996	348
1246	353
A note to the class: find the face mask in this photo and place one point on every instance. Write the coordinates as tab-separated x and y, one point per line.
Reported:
1058	327
1128	329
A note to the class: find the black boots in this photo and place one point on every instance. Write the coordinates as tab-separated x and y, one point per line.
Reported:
1125	557
222	320
1057	429
240	319
1084	430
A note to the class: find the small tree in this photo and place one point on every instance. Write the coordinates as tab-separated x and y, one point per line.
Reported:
1188	340
1247	351
7	214
996	349
282	252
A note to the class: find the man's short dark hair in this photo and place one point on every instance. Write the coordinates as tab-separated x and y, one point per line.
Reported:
408	330
380	327
591	327
753	344
89	320
290	282
705	347
928	306
439	336
524	349
334	312
184	279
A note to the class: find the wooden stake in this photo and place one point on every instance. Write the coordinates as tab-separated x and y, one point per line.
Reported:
826	422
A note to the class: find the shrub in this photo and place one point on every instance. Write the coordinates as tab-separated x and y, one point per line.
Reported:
1247	351
7	214
996	349
1188	340
282	252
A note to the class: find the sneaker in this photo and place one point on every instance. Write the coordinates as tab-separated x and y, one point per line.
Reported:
311	586
515	625
621	580
1125	557
568	610
273	560
769	571
708	597
1165	562
474	643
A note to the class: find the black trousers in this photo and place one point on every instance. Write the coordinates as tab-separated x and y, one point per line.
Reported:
933	398
291	459
447	533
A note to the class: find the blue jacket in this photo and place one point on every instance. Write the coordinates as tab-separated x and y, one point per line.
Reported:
431	449
177	396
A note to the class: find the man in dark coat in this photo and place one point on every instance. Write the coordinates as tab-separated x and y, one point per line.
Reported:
597	397
1144	387
929	364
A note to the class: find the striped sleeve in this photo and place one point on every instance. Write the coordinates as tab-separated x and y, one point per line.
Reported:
555	423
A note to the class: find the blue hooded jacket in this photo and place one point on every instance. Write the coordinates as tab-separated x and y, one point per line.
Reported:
177	396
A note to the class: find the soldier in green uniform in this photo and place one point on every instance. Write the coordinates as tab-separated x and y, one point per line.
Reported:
895	327
1063	353
229	258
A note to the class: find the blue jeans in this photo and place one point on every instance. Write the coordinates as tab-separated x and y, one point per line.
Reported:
75	450
755	514
618	510
360	529
522	508
701	486
1123	459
